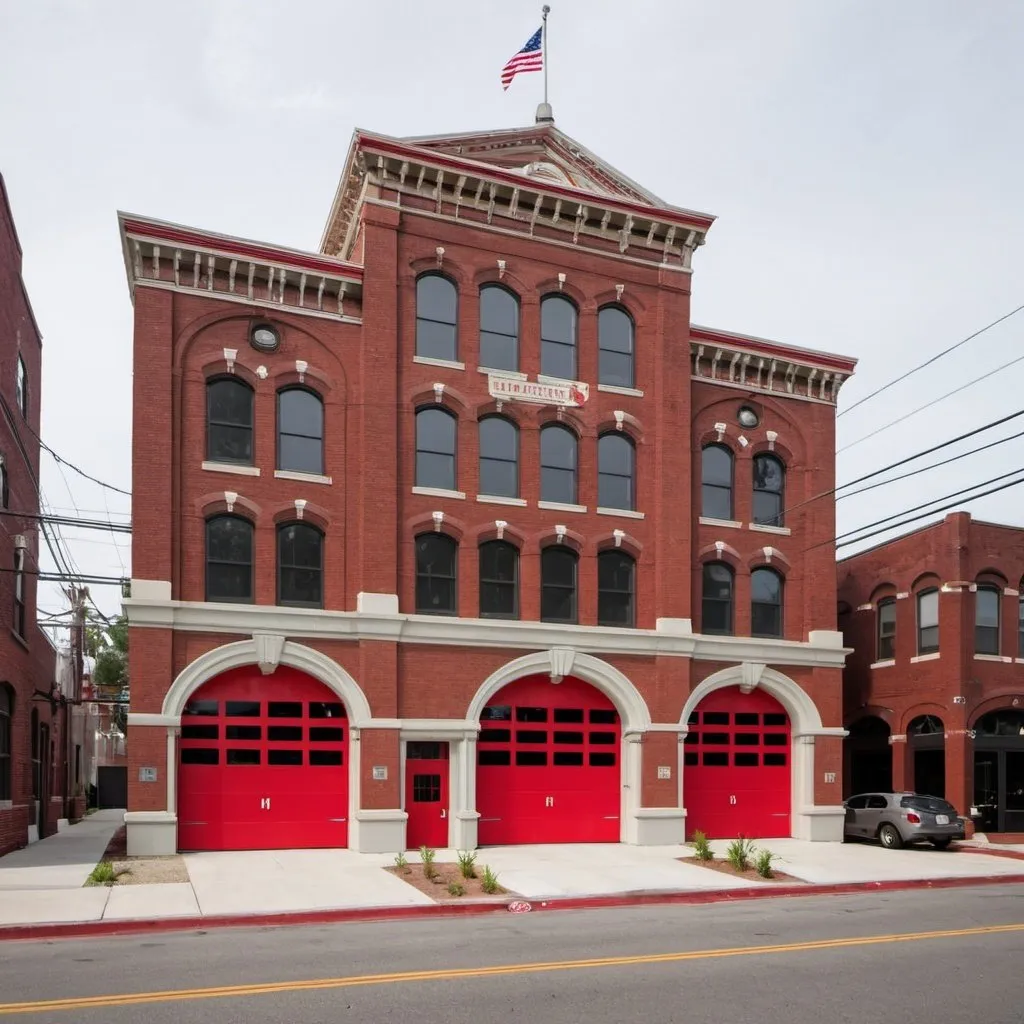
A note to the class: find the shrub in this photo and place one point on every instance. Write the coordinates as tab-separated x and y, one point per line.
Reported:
701	847
104	874
467	864
401	863
428	856
763	863
456	889
739	853
489	883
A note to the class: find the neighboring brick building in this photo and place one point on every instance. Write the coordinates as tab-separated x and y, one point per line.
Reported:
32	750
934	691
472	448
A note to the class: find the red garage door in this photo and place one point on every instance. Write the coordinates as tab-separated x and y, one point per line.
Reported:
263	764
737	767
548	765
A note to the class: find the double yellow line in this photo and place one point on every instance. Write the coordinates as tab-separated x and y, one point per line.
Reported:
463	973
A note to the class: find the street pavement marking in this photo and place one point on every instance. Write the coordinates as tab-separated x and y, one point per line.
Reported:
455	974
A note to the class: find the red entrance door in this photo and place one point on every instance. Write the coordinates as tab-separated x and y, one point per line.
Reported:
736	767
548	765
263	764
426	795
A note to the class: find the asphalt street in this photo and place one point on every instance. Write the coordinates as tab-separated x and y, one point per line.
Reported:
950	956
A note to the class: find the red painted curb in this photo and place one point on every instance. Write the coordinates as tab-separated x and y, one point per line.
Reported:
995	852
93	929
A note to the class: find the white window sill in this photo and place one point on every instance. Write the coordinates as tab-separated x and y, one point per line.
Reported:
918	658
439	492
511	374
625	513
887	663
729	523
994	657
558	506
497	499
782	531
614	389
1019	661
305	478
230	467
450	364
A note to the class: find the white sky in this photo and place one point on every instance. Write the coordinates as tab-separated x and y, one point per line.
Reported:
863	157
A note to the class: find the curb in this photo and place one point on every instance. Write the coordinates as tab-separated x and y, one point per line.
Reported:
93	929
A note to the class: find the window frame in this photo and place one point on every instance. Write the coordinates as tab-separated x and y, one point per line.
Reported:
569	554
919	598
21	386
250	427
881	637
483	329
781	605
425	410
601	349
779	519
575	470
453	324
280	566
207	561
494	545
625	557
5	484
617	437
7	698
19	613
574	345
730	603
453	546
997	592
481	457
281	432
705	486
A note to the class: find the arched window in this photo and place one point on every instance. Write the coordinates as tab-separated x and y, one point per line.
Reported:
499	328
229	403
19	592
435	448
300	431
769	487
558	465
300	565
499	457
716	599
21	387
928	621
557	337
886	629
716	482
437	318
6	714
616	471
987	601
5	496
499	580
766	589
436	564
615	347
229	559
558	570
616	589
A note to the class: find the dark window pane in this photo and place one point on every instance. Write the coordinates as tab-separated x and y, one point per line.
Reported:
691	757
435	449
300	426
326	734
769	482
494	757
558	453
986	619
203	732
615	581
435	574
775	739
745	760
284	757
716	605
499	457
531	758
558	337
558	585
716	717
525	714
568	737
242	709
599	759
531	736
569	715
558	485
246	756
229	419
499	329
716	502
300	565
436	318
495	735
615	345
499	580
746	739
240	732
616	369
615	472
774	760
201	707
747	718
775	719
498	351
325	757
323	709
200	755
496	713
715	759
567	758
716	738
716	482
284	709
887	630
766	603
286	733
601	716
928	622
602	738
229	544
300	454
426	751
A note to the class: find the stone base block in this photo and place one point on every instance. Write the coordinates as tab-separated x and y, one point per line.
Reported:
151	833
378	831
659	826
820	824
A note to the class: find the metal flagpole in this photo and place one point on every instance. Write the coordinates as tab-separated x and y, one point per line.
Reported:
545	11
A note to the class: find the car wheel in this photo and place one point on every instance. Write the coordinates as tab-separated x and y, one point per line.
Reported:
890	837
941	844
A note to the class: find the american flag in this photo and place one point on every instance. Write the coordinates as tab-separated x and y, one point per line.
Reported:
529	58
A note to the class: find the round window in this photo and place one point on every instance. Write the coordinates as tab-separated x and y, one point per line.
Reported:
265	338
748	417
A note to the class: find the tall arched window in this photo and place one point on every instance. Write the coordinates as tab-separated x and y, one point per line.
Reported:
5	496
499	580
558	570
21	387
616	471
886	629
769	488
558	337
766	589
615	347
6	714
19	592
987	602
717	599
229	405
616	589
300	565
499	328
300	431
436	575
229	559
928	621
435	448
716	482
558	464
437	318
499	457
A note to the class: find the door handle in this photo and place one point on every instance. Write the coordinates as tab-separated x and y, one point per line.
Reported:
444	813
732	799
264	803
549	801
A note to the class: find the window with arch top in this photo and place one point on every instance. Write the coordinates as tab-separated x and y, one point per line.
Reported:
615	347
558	462
435	448
616	471
717	599
769	490
499	328
716	482
300	565
21	387
437	318
928	621
987	602
6	714
766	589
499	457
558	324
558	573
436	574
499	580
886	639
229	421
616	589
300	431
229	559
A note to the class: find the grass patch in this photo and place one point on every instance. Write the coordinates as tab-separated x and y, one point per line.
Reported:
105	874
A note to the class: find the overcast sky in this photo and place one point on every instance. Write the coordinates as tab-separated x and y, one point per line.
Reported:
863	157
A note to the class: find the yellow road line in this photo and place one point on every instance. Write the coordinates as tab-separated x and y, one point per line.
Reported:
455	974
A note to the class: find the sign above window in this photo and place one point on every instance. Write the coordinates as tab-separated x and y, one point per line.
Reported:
510	389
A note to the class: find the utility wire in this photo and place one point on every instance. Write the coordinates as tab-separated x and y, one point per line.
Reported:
85	524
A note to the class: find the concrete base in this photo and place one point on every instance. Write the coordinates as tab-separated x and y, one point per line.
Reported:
63	824
378	831
820	824
151	833
464	830
660	826
33	834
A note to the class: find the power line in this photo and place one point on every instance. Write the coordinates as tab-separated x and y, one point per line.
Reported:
928	362
85	524
57	577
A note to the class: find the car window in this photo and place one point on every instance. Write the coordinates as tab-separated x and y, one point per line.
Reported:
877	803
931	804
857	803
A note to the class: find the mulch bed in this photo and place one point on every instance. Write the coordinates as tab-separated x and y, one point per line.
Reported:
117	848
437	888
725	868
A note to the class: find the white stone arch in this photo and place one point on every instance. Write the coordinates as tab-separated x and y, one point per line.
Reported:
268	652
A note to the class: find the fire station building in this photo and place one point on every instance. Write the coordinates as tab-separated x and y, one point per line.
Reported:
458	532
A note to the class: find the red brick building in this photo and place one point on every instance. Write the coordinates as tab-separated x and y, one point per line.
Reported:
469	483
934	691
32	761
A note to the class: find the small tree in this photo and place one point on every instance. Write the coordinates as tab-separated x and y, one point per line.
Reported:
110	674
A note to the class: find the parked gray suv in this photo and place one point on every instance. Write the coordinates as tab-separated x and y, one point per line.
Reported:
895	819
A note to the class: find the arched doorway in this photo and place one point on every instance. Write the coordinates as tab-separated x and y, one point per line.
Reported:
263	763
736	766
926	743
548	764
999	770
868	756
